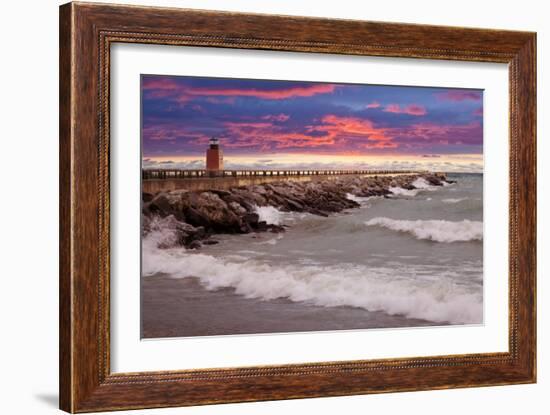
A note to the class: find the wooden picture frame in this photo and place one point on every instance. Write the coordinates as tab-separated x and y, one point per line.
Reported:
86	33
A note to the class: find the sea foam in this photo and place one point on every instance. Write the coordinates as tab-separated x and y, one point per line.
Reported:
420	184
451	200
359	199
389	290
399	191
434	230
269	214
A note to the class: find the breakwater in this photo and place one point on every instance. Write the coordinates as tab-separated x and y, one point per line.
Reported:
154	181
195	216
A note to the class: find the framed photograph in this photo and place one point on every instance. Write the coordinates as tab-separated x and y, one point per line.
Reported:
258	207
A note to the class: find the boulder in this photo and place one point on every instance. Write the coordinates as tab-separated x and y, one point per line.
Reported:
251	219
194	245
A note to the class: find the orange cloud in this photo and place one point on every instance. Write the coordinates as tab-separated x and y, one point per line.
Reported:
350	127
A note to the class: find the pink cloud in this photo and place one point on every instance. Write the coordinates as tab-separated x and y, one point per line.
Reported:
373	104
171	132
459	95
478	112
158	83
165	87
158	87
415	110
344	133
431	133
279	117
268	135
412	109
274	94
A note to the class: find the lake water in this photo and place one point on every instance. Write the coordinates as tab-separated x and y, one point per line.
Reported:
417	254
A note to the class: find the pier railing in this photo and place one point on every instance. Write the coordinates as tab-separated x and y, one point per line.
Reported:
198	174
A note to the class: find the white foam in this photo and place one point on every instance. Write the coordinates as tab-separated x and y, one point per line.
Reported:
272	241
451	200
359	199
399	191
393	290
434	230
421	183
269	214
162	232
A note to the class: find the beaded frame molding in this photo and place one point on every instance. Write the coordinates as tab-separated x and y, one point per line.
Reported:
86	33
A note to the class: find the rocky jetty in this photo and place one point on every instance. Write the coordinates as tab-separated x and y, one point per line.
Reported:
196	216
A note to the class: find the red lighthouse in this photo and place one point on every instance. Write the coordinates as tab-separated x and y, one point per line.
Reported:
214	157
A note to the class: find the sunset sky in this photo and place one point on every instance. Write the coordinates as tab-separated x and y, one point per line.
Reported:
281	124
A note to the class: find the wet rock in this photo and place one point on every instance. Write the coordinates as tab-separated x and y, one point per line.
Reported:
262	226
221	193
276	228
251	219
194	245
237	208
196	218
160	205
433	180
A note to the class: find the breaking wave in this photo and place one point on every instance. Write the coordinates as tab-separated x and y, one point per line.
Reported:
359	199
420	184
270	215
434	230
374	289
399	191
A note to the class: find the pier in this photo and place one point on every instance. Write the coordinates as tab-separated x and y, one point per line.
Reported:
154	181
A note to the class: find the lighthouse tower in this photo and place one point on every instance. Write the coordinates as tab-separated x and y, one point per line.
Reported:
214	157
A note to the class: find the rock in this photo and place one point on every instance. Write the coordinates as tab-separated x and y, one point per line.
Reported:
160	205
210	242
433	180
294	205
194	245
221	193
237	208
196	218
146	197
262	226
251	219
276	228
